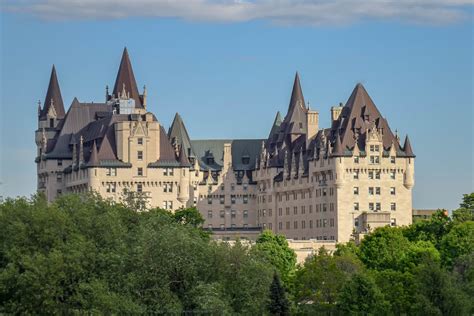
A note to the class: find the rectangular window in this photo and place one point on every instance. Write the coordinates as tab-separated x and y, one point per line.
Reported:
287	225
222	226
371	191
310	209
246	214
60	163
222	213
377	175
232	214
280	212
356	222
392	159
377	190
59	177
280	225
356	159
245	186
310	223
392	174
232	199
140	155
331	222
295	225
295	210
303	209
356	206
303	224
140	141
392	191
356	175
371	175
374	160
209	214
246	199
222	199
111	172
209	200
222	187
393	222
140	171
356	190
139	187
371	206
324	192
324	207
393	206
287	210
377	206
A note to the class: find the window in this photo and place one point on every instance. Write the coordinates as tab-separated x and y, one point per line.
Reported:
287	225
246	199
280	212
356	222
209	200
374	148
111	172
222	213
140	171
356	206
371	206
60	163
232	199
393	222
356	190
392	159
356	159
209	214
59	177
295	210
245	214
377	190
303	224
331	222
374	160
245	186
140	155
232	186
295	224
377	175
392	174
232	214
51	122
140	141
371	191
356	174
222	226
324	192
392	191
168	187
139	187
59	192
303	209
222	187
377	206
222	199
371	175
325	222
324	207
168	171
393	206
310	209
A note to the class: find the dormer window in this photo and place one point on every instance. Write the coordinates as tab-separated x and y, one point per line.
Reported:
51	122
246	159
210	160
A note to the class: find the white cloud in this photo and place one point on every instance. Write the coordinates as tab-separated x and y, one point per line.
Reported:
307	12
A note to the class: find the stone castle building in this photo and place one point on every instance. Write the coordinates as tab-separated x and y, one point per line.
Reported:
303	181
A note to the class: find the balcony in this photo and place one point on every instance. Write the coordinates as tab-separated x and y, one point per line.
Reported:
371	220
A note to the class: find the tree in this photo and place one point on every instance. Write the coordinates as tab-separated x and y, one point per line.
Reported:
321	278
274	249
189	216
431	230
459	241
466	210
279	304
361	296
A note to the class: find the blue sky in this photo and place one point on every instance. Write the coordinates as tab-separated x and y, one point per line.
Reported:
228	69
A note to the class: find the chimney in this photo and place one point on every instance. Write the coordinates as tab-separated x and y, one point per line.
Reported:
312	120
227	157
335	112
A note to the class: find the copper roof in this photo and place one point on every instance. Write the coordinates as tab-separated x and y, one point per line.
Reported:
53	97
126	79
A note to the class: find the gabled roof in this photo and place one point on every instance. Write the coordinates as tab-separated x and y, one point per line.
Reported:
126	78
53	96
177	132
357	116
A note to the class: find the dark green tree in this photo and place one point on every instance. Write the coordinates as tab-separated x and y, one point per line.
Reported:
279	304
189	216
458	242
466	210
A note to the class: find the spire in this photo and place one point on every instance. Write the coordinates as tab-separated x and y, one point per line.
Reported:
337	147
407	148
53	97
296	94
296	117
183	160
178	132
126	80
94	159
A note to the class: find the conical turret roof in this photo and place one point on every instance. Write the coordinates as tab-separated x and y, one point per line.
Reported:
338	151
296	117
94	158
53	97
178	132
407	148
183	159
126	79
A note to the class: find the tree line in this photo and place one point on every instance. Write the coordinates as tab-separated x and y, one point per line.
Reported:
85	254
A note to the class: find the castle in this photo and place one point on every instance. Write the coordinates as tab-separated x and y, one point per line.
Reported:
303	181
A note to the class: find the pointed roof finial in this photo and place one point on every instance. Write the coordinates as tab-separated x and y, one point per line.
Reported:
125	77
94	159
53	97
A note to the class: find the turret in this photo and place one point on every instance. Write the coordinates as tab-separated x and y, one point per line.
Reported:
409	176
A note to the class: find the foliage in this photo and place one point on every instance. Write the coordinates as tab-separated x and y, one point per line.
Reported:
275	249
190	216
466	211
84	254
458	242
279	304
